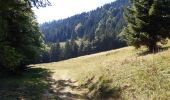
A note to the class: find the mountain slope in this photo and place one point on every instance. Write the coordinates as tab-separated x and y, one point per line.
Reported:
107	19
85	33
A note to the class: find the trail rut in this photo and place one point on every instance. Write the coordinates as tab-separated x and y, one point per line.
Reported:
64	87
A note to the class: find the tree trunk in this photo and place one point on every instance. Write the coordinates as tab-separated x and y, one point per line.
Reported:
152	46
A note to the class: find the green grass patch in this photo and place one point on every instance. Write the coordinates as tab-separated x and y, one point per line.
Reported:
125	73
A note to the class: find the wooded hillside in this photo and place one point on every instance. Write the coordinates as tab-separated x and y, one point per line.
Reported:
95	31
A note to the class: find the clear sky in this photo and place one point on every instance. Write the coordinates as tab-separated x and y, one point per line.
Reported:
65	8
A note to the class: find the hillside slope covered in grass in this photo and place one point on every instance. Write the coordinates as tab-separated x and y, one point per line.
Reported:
121	74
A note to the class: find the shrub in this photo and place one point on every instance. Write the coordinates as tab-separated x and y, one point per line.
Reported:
103	89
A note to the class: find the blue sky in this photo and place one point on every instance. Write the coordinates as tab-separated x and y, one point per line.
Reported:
65	8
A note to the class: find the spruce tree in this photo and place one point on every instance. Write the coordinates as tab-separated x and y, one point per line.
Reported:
74	48
55	52
148	23
67	50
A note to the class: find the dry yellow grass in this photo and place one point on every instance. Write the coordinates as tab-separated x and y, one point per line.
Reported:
140	76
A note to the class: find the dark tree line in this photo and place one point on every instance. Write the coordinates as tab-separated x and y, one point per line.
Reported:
95	31
73	48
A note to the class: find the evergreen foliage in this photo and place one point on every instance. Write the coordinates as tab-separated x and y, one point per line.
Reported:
39	3
107	19
20	39
148	23
55	52
95	31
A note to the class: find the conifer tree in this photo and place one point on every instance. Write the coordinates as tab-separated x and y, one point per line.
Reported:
74	48
67	50
55	52
148	23
20	39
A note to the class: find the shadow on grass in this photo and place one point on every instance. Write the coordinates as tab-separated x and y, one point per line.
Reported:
103	89
37	84
160	49
30	85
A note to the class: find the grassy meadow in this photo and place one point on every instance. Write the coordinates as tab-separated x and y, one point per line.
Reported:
122	74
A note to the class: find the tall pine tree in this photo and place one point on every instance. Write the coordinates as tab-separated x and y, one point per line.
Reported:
55	52
148	23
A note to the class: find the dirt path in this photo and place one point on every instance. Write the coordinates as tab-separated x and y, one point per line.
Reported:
63	87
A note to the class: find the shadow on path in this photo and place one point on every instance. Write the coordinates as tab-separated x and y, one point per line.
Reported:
37	84
65	90
30	85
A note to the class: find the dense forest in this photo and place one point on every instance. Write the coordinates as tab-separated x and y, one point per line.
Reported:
122	74
85	33
20	38
143	23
